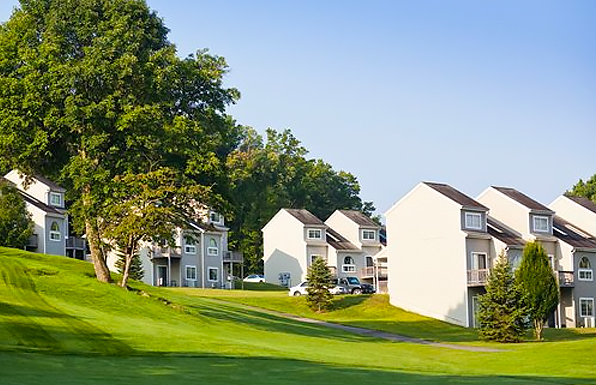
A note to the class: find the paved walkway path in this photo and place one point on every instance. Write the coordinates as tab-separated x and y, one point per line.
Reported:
373	333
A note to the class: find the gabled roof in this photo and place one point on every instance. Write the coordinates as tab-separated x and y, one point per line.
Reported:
456	196
52	185
305	216
572	235
522	199
33	201
584	202
503	234
338	242
359	218
205	227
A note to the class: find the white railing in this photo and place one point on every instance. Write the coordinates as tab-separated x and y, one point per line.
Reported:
478	277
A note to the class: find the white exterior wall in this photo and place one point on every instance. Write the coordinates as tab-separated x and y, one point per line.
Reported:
284	248
36	189
427	256
575	213
345	226
506	210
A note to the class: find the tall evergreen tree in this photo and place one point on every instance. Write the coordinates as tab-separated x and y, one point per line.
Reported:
502	311
319	280
539	285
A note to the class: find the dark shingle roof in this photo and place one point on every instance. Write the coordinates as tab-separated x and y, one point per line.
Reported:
456	196
572	235
33	201
52	185
359	218
383	236
585	202
503	234
522	198
305	216
339	242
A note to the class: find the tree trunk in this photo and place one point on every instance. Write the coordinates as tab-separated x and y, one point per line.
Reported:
129	253
97	255
538	327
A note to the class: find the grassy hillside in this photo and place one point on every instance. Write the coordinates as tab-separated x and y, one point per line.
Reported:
57	323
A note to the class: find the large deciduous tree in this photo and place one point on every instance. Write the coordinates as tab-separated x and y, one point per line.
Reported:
502	311
92	93
16	225
585	189
539	285
267	175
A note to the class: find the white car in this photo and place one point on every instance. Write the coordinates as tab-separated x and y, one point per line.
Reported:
300	289
255	278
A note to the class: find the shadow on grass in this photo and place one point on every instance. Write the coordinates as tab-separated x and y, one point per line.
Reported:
258	286
346	301
430	330
29	369
271	322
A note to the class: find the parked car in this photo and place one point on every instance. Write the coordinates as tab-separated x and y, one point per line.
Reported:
354	286
300	289
255	278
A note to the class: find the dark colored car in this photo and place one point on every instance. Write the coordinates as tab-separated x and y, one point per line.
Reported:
353	285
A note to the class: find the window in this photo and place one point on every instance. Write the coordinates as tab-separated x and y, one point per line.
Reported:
315	234
369	261
479	261
191	273
473	221
585	270
348	266
55	231
212	249
55	199
313	257
215	217
551	261
212	274
369	235
541	224
190	246
586	307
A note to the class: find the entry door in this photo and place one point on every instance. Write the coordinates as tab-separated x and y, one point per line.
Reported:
162	276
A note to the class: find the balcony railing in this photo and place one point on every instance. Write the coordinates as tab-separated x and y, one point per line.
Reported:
167	251
566	279
233	256
73	242
369	272
478	277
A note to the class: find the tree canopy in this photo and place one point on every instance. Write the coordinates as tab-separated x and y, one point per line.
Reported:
16	225
585	189
92	91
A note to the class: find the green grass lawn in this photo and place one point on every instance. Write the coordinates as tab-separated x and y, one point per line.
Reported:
58	325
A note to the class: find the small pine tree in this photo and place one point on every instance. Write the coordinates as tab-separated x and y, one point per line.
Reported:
502	313
136	267
319	278
539	285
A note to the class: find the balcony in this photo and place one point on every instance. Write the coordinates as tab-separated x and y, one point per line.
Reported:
566	279
233	256
478	277
73	242
369	272
167	252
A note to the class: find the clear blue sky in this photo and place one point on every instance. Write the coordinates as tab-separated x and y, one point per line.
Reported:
470	93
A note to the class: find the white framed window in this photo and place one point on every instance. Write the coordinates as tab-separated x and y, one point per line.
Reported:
191	273
212	274
190	246
215	217
55	234
473	221
479	261
586	307
369	235
314	234
212	249
55	199
540	224
584	272
348	266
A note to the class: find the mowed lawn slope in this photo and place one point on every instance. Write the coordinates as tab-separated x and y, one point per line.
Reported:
58	325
